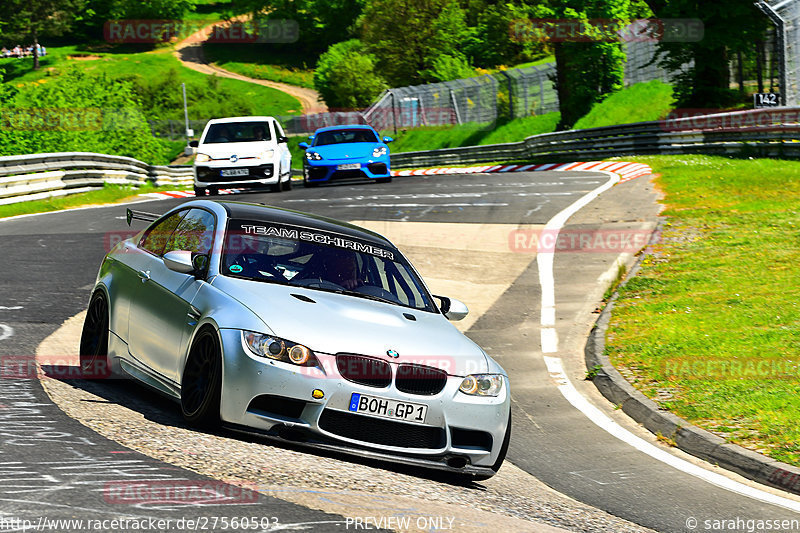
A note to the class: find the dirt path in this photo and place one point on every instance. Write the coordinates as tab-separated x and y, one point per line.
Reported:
190	53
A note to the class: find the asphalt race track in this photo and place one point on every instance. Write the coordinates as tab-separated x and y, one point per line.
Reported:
51	464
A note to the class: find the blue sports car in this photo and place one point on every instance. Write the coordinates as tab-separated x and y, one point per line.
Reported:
340	152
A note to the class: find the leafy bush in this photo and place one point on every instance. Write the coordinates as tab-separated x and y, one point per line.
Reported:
346	77
78	112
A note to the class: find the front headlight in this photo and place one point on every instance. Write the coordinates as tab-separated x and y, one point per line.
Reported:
278	349
266	154
201	158
482	384
313	156
379	151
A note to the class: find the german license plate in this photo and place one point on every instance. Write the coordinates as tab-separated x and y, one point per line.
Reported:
349	166
386	408
234	172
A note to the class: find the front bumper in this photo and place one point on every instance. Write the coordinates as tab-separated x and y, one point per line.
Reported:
326	170
211	175
275	398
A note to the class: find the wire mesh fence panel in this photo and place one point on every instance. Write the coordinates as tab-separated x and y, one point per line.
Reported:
436	104
532	90
642	63
789	11
297	125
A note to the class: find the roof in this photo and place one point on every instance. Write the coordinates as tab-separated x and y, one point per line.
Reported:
278	215
240	119
345	127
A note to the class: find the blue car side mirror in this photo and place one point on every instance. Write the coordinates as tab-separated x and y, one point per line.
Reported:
387	139
303	145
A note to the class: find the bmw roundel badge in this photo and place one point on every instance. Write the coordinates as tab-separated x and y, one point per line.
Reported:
392	353
234	158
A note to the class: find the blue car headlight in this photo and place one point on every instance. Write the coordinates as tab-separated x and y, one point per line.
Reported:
313	156
379	151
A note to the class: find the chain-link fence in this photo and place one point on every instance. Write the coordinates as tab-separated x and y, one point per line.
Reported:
785	14
642	63
531	90
435	104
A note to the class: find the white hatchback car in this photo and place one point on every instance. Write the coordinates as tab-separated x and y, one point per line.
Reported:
242	152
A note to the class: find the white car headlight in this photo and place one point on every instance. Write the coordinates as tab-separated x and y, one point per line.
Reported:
266	154
313	156
379	151
201	158
482	384
278	349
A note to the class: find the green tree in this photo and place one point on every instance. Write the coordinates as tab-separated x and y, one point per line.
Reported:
591	67
345	76
37	18
494	41
407	36
98	12
321	23
727	27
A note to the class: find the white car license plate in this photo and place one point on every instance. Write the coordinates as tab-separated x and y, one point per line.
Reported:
386	408
234	172
349	166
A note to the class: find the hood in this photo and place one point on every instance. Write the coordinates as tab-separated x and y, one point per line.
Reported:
336	323
346	150
225	150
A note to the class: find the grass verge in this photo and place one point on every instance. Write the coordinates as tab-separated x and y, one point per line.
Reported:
261	61
710	327
432	137
640	102
109	194
157	75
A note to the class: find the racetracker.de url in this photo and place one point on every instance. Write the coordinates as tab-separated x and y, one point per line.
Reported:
131	525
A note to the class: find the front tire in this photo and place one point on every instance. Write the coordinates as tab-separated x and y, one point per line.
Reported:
287	186
94	339
199	191
201	386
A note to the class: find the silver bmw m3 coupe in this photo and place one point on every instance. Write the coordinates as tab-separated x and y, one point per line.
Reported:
297	327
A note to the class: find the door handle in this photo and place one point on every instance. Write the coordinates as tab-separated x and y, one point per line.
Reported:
144	275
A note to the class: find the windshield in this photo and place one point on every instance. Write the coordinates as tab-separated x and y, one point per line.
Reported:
320	260
237	132
355	135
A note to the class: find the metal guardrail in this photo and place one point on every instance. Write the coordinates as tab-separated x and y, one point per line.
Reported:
760	132
41	176
753	132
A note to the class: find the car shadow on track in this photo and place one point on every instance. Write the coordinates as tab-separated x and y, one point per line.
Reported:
165	411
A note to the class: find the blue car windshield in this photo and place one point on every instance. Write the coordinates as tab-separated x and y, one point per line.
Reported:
355	135
320	260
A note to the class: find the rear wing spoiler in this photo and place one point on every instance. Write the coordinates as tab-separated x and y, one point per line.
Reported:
130	215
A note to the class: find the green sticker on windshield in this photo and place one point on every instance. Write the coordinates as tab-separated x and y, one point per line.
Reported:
236	268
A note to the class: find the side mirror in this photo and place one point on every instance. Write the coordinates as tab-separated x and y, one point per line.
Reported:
452	309
303	145
282	139
311	138
194	144
387	140
179	261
